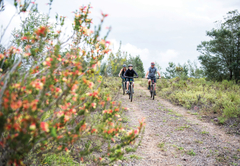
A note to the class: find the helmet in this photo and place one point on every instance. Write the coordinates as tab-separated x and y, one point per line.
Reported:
124	65
130	65
152	63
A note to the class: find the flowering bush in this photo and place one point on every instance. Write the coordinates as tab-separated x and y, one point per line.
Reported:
52	101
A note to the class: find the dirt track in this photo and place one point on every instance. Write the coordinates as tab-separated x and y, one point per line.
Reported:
175	137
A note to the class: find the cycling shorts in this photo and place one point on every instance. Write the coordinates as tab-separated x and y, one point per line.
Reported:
153	78
130	79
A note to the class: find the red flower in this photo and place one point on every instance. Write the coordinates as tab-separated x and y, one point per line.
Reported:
24	38
32	126
44	126
93	105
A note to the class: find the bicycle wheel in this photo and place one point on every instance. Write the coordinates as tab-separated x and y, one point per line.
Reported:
153	95
129	91
123	87
153	91
131	94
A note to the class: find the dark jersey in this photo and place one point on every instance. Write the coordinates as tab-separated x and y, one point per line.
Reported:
123	72
130	73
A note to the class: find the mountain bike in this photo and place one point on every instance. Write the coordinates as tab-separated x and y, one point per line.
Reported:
130	88
124	82
152	88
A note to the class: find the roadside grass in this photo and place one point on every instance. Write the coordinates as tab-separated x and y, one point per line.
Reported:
207	97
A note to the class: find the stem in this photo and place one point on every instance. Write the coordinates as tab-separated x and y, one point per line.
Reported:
7	27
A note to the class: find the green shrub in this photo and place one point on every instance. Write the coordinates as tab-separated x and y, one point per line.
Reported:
222	98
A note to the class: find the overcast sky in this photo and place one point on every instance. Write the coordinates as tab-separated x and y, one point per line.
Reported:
157	30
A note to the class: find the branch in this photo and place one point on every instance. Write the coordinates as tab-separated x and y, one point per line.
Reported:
6	81
7	27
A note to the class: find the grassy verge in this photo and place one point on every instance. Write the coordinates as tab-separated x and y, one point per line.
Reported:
219	98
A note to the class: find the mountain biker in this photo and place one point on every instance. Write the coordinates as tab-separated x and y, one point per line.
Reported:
122	71
130	73
150	75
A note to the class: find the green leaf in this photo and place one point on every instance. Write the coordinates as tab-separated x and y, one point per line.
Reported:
53	132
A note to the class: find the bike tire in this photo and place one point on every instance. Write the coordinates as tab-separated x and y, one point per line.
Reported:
123	87
129	91
131	94
153	91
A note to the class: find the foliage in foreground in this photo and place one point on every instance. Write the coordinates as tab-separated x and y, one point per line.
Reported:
52	102
221	98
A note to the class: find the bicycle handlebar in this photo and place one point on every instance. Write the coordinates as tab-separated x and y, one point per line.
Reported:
152	79
131	77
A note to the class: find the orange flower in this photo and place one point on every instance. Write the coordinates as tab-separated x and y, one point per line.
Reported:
105	111
93	105
1	56
74	98
102	103
94	131
24	38
89	94
34	105
16	105
32	126
66	149
136	131
90	85
83	127
44	126
113	140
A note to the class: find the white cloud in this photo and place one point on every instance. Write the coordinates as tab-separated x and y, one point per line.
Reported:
130	49
167	56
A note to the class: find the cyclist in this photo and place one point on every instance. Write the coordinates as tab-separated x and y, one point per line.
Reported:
130	73
151	75
122	71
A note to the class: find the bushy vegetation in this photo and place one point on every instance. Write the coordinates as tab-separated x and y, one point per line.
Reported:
53	102
208	97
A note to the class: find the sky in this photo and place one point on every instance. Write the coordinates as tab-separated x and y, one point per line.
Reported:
162	31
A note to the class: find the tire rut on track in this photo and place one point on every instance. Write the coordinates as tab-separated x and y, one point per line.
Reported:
174	137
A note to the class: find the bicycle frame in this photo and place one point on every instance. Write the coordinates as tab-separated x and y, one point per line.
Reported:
130	88
152	88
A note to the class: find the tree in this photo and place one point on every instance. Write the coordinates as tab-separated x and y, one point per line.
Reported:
170	71
220	57
115	63
137	65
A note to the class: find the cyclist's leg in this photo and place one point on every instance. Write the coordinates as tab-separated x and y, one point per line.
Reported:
155	85
149	82
155	82
125	80
127	84
133	86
